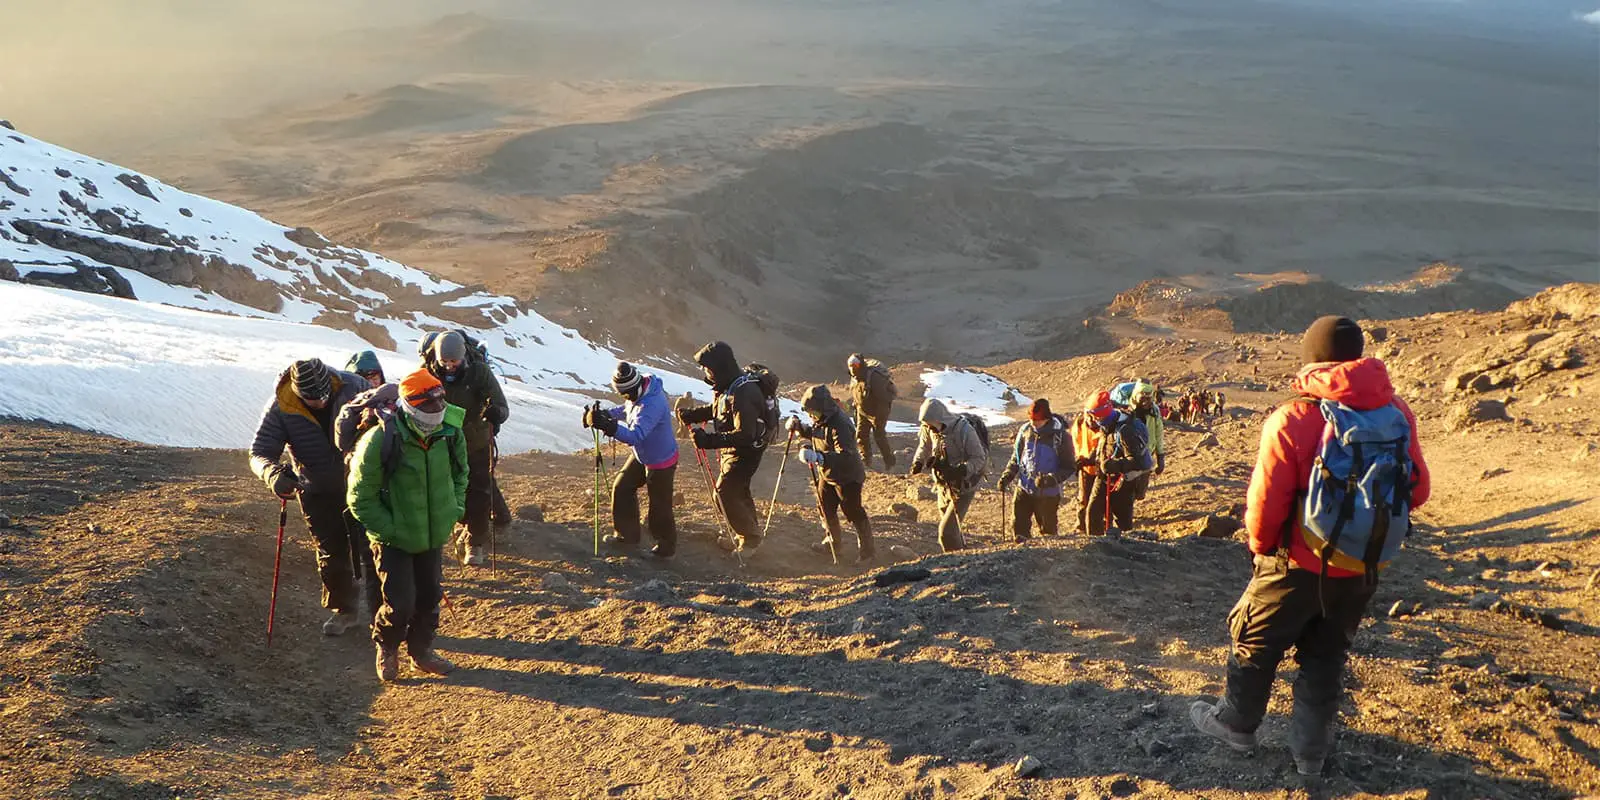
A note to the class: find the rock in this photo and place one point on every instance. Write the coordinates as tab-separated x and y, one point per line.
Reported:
1026	766
919	492
1153	746
1594	580
1400	609
947	786
1123	787
678	499
5	520
1209	440
95	529
820	744
1378	334
1483	600
654	590
900	552
137	184
1475	412
530	513
6	123
901	574
1217	526
1585	451
905	511
763	606
1493	473
8	271
555	582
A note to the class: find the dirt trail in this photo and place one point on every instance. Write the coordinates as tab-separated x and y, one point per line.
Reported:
134	597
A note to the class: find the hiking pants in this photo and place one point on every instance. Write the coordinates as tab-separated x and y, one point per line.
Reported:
1085	491
871	428
361	556
480	496
412	589
1282	608
1026	508
733	489
501	512
325	515
953	506
625	503
1094	509
847	496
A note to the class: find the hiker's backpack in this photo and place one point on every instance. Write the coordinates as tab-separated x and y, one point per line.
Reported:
390	449
980	426
765	378
1358	504
876	369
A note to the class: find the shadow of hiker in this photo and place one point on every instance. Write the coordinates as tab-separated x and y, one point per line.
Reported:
950	713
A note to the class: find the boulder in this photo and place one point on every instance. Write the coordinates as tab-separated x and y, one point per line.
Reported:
1217	526
1026	766
905	511
901	574
919	492
530	513
1475	412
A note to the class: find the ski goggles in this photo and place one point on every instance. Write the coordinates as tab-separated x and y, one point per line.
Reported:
429	401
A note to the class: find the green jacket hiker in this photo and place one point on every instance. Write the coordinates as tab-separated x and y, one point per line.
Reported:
427	492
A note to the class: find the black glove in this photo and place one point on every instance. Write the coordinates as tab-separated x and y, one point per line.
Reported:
951	475
606	423
702	439
919	467
1161	463
1085	462
1047	481
285	483
496	415
1116	466
682	414
1006	478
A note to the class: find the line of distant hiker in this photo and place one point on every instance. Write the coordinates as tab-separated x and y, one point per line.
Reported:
384	473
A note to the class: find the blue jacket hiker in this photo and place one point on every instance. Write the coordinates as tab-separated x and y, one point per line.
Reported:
645	424
1041	459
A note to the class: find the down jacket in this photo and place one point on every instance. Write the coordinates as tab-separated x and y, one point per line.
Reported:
841	458
427	493
873	391
956	447
738	410
1291	440
477	391
287	423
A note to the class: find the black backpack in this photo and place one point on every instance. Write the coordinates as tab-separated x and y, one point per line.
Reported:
978	425
767	380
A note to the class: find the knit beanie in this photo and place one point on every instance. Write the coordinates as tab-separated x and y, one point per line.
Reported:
312	380
1332	339
625	379
1040	410
450	347
855	362
419	389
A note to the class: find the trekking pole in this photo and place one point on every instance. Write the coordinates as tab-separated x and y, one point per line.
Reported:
598	464
494	529
711	489
816	492
778	484
1003	493
277	564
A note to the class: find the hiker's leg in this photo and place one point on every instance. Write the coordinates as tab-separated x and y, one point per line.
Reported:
1122	505
398	590
361	555
1321	651
625	500
1085	489
325	514
854	511
880	432
864	437
480	496
1047	509
830	510
1021	515
427	570
1269	617
949	521
1094	511
663	526
733	487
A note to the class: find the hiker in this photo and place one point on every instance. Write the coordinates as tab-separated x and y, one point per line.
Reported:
1085	444
1138	397
300	418
1123	457
842	473
948	445
1303	594
408	486
644	423
365	364
872	390
738	419
470	384
1041	459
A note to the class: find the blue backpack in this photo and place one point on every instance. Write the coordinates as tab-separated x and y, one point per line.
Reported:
1358	506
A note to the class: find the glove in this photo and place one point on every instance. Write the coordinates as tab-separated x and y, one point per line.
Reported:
810	456
793	425
606	423
1047	481
702	439
1161	463
1005	481
1116	466
495	415
919	467
1085	462
285	483
588	416
951	475
683	415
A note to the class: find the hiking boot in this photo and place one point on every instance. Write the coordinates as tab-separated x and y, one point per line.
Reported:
388	663
340	622
476	557
866	557
431	663
661	553
1204	717
616	542
1308	767
888	462
727	543
824	547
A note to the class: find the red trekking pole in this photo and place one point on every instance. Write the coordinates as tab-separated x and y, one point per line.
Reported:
277	564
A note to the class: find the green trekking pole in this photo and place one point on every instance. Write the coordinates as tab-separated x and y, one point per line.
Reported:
778	484
598	463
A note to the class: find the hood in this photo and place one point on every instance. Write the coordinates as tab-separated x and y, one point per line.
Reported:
718	357
652	386
817	398
934	411
1362	384
364	361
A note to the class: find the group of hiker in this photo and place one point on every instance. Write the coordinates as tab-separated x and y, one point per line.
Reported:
1194	405
383	472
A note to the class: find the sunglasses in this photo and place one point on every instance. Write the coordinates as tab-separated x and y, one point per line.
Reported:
372	375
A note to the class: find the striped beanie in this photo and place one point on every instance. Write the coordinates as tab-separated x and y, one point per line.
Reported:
312	379
626	378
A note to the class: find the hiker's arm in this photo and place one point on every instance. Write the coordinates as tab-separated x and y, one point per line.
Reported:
344	428
1066	458
747	417
650	415
266	450
1273	485
495	408
924	446
1422	487
694	415
363	492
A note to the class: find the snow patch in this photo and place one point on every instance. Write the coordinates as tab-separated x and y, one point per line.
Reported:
973	392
